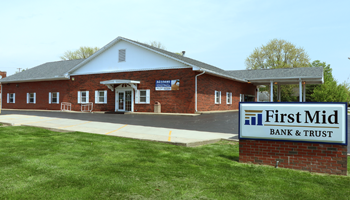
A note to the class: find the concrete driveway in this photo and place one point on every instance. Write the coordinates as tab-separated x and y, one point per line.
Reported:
214	122
180	130
185	130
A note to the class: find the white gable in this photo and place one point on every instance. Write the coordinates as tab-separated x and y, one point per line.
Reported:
136	59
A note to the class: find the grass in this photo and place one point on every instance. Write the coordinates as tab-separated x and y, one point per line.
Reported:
40	164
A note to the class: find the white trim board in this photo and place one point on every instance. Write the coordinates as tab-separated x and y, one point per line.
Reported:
132	70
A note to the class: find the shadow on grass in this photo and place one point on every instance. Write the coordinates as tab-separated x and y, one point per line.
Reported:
230	157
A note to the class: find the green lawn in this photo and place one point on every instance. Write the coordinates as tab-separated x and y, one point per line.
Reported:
41	164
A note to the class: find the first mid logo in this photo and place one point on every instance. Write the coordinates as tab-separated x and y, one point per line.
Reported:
253	117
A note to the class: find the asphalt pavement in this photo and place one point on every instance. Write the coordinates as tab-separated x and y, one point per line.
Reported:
214	122
178	130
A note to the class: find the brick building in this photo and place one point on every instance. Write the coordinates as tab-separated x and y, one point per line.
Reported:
129	76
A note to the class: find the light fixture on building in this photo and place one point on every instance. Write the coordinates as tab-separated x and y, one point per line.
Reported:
72	78
248	82
275	83
303	82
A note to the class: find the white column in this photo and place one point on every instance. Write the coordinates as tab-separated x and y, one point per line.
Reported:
257	93
279	93
271	91
304	91
300	91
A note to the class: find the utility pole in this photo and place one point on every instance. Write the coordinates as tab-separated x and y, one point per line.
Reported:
19	69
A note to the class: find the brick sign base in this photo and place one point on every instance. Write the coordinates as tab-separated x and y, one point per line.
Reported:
313	157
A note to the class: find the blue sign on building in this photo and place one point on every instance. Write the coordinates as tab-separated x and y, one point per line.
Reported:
167	84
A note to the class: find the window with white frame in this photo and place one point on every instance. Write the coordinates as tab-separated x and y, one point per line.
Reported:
228	97
11	97
121	55
83	96
101	96
54	97
142	96
31	97
217	97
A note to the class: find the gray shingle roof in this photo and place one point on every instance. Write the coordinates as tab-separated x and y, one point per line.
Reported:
57	70
304	72
50	70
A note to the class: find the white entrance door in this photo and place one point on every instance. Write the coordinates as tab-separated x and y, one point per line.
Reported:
124	100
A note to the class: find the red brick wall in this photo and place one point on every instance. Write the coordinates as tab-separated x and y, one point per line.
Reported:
41	89
3	75
181	101
313	157
207	85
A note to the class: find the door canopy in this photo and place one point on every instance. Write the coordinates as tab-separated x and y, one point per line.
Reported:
111	83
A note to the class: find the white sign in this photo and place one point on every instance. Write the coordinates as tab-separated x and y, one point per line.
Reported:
304	122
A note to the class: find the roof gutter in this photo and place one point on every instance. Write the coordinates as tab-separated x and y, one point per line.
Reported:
35	79
220	75
281	78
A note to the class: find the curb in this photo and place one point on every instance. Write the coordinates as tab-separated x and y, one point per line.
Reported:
151	113
216	111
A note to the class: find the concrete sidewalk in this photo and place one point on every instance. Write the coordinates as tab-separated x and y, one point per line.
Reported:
168	135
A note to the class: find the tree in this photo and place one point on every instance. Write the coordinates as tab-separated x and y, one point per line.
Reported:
157	44
160	46
16	72
277	54
330	91
82	52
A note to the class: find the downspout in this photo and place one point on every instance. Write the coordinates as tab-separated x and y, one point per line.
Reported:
196	88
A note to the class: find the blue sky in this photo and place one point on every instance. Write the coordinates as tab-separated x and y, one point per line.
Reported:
220	33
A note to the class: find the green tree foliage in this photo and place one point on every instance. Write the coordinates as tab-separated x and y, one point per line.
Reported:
157	44
82	52
277	54
286	93
160	46
16	72
330	91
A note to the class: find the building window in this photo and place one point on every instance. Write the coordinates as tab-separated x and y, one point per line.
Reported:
122	55
54	97
31	97
83	96
11	97
228	97
101	96
217	97
142	96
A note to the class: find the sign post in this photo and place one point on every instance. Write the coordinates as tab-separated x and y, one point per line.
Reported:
305	136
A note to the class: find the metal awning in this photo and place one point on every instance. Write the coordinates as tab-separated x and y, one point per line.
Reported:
110	83
282	76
